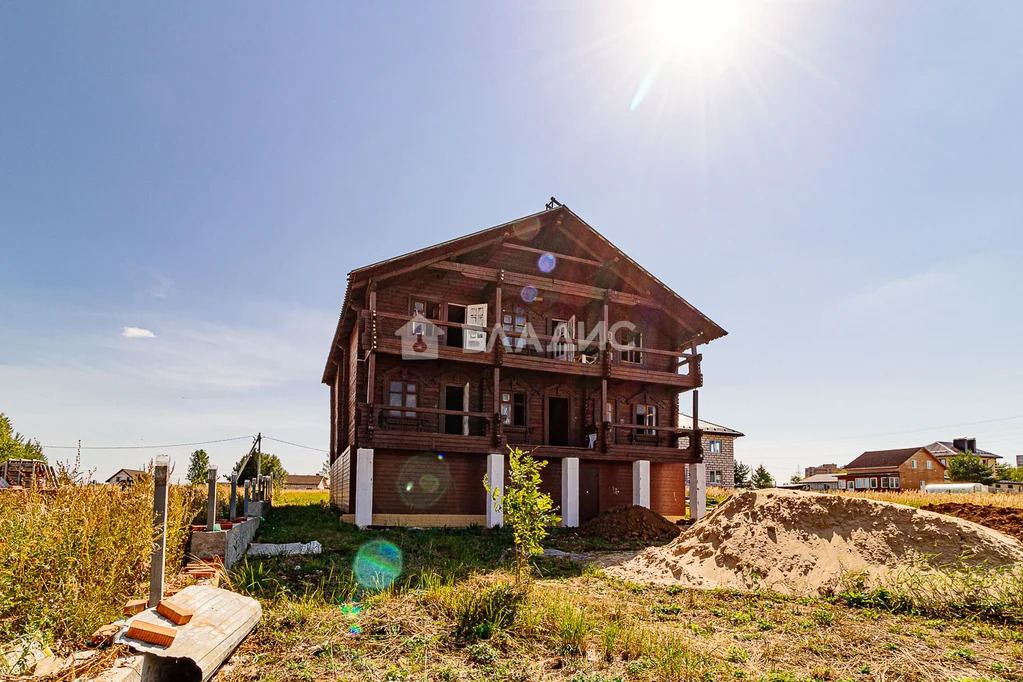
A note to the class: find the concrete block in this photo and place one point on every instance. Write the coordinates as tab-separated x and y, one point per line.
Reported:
570	492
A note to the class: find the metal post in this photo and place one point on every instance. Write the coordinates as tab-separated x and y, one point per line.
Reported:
158	558
211	501
234	497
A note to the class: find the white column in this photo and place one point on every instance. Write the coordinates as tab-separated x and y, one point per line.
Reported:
495	476
570	492
363	487
641	483
697	491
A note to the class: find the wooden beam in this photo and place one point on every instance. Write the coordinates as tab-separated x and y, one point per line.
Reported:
559	256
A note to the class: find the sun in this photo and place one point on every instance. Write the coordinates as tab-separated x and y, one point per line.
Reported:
698	28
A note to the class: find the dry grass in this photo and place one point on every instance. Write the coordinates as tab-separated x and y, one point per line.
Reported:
918	499
595	629
72	557
911	498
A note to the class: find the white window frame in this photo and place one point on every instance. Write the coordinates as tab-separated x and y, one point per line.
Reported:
714	446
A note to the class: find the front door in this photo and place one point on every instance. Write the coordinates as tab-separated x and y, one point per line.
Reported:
589	490
557	421
455	398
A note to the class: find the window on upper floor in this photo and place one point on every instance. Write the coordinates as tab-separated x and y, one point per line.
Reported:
913	463
513	409
714	446
402	394
646	415
423	308
929	464
632	337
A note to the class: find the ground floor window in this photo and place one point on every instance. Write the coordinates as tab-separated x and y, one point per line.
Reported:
890	482
841	484
715	477
873	483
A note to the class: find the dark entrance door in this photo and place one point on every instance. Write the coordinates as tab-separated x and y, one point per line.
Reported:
557	420
454	399
589	490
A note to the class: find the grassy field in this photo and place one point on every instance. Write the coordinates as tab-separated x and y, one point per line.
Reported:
455	613
69	559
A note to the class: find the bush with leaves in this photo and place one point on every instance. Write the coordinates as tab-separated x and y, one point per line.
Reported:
970	468
527	510
13	445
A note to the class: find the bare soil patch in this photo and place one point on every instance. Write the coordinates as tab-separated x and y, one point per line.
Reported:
630	523
1002	519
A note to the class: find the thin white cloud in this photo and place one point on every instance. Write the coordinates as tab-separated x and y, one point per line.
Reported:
137	333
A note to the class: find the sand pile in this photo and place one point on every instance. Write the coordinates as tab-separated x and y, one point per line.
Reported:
804	543
630	523
1003	519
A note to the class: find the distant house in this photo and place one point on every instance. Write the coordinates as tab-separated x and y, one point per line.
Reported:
945	450
125	477
820	482
822	469
718	450
1006	487
315	482
902	469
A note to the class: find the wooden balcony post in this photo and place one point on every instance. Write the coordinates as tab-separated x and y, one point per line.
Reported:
371	360
497	430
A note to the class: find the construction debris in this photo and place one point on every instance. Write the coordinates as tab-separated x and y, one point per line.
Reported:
28	473
175	613
286	549
153	633
104	636
135	606
630	523
803	543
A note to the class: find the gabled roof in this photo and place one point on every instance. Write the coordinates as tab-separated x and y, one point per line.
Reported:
949	445
878	459
686	421
526	229
300	479
133	473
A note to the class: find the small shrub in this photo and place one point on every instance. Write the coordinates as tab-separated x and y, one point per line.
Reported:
479	613
571	627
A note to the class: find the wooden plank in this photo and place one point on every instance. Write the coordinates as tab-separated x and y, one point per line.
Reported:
222	621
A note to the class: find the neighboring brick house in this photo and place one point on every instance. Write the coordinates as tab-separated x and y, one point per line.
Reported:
718	450
947	449
299	482
822	469
901	469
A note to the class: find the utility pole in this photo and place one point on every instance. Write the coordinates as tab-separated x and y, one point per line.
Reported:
259	455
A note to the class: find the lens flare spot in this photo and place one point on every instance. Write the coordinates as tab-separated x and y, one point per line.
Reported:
440	456
429	483
409	486
547	262
377	564
529	293
355	630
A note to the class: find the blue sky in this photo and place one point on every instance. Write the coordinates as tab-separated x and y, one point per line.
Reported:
837	185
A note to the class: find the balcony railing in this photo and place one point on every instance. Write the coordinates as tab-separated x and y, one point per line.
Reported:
539	351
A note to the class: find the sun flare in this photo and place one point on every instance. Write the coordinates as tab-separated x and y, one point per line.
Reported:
695	27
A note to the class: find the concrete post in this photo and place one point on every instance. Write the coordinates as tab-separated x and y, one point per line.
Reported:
158	559
234	497
211	500
495	476
570	492
364	487
245	499
697	491
641	483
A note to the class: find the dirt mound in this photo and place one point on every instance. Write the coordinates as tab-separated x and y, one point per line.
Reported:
1003	519
804	543
630	523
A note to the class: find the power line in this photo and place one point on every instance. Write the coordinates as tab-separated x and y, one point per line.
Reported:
305	447
142	447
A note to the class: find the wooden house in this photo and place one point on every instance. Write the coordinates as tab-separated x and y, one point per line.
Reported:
539	334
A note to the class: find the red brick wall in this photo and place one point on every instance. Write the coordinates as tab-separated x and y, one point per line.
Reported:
615	485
